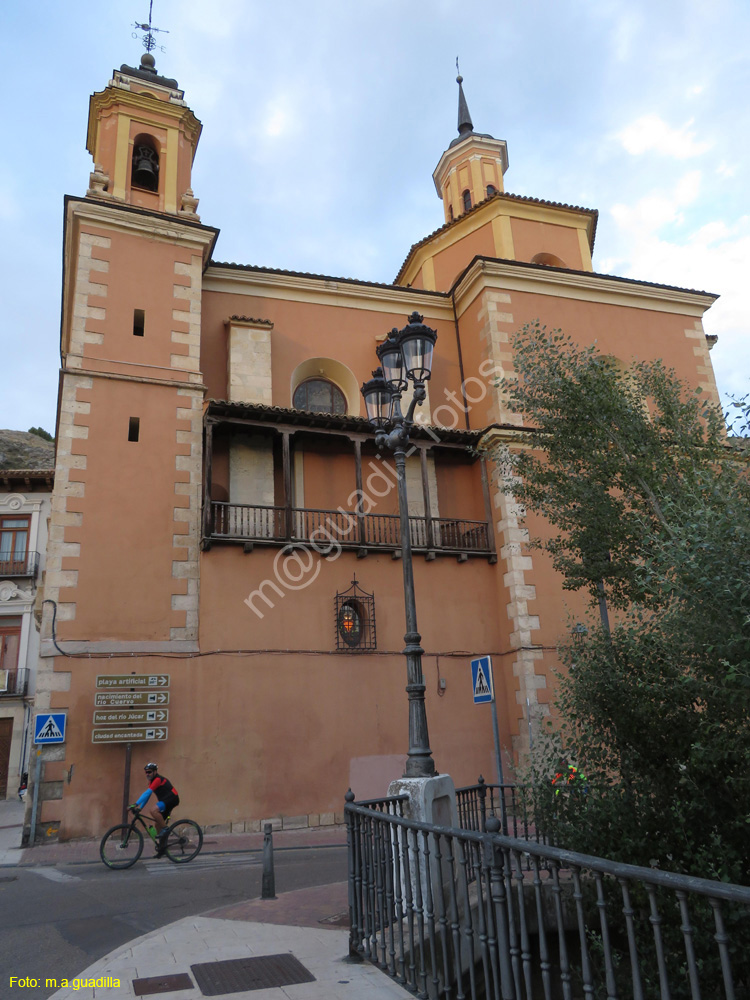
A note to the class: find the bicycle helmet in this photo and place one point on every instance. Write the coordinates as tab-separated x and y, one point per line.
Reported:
151	766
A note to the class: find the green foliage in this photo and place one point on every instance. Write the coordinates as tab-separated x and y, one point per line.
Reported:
604	453
651	508
40	432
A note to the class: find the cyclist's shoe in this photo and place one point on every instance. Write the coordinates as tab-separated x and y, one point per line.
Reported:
161	844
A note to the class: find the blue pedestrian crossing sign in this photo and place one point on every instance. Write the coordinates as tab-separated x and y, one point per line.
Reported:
481	680
49	727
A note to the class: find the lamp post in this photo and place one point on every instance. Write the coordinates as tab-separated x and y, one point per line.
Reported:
405	356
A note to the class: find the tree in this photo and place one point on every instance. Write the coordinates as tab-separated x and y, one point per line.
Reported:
649	509
40	432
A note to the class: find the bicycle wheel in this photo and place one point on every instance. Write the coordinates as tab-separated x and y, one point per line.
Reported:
121	846
184	840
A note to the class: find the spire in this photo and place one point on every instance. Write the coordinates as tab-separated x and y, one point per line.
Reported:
465	124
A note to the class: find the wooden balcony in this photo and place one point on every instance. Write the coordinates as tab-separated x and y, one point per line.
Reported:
323	529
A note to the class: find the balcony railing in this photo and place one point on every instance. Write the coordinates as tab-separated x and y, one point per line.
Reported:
18	565
14	683
254	523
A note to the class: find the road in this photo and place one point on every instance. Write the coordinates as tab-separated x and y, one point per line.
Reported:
56	921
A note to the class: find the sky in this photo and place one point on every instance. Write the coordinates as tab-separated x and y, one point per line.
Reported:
323	122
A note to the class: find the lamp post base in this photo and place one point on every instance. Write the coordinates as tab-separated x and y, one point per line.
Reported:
431	800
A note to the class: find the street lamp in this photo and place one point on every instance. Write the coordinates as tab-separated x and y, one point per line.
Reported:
405	356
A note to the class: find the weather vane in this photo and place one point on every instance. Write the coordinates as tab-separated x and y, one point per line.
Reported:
149	42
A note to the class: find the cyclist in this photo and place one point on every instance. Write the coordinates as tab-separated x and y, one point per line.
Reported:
165	799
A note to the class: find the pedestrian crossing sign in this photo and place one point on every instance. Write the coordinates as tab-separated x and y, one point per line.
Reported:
49	727
481	680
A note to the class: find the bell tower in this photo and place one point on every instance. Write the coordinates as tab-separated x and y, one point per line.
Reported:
143	138
472	167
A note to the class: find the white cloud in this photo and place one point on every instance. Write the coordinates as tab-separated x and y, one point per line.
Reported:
625	32
713	258
656	210
726	169
651	133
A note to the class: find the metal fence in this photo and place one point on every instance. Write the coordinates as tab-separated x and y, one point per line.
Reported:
476	803
453	913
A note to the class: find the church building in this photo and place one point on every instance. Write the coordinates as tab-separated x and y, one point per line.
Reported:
223	575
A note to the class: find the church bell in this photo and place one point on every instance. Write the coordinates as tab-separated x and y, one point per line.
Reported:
145	168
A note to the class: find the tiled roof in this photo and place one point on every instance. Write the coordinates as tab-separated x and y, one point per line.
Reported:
319	277
502	196
343	422
249	319
584	274
28	473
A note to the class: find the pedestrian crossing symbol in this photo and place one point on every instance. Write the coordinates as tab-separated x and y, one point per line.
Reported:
481	680
50	727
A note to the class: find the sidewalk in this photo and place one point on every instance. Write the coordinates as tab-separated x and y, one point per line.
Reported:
294	947
289	948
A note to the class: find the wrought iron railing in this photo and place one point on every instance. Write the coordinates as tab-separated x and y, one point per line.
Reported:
477	803
25	564
460	914
258	523
14	683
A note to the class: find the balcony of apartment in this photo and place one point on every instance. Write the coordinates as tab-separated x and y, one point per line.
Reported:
18	564
278	476
14	683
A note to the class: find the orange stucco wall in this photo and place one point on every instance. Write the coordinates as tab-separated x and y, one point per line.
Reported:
531	238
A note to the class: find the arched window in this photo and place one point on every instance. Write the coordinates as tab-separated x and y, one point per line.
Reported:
145	172
467	200
491	189
318	395
549	259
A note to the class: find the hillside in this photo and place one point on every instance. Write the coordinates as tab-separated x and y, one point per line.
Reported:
21	450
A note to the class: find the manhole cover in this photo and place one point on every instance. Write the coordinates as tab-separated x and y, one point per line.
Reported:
162	984
336	919
261	973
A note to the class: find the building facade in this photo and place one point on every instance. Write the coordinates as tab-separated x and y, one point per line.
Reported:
222	519
25	504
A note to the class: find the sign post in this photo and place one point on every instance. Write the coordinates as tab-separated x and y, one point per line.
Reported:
483	686
131	709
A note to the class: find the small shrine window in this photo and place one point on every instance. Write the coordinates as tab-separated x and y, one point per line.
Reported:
355	619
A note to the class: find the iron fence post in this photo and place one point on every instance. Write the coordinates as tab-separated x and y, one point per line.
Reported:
494	860
482	793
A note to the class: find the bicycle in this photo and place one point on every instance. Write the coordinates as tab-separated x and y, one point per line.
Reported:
122	845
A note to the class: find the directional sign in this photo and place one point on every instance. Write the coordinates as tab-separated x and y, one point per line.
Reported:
117	699
481	680
120	681
123	735
49	727
120	716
